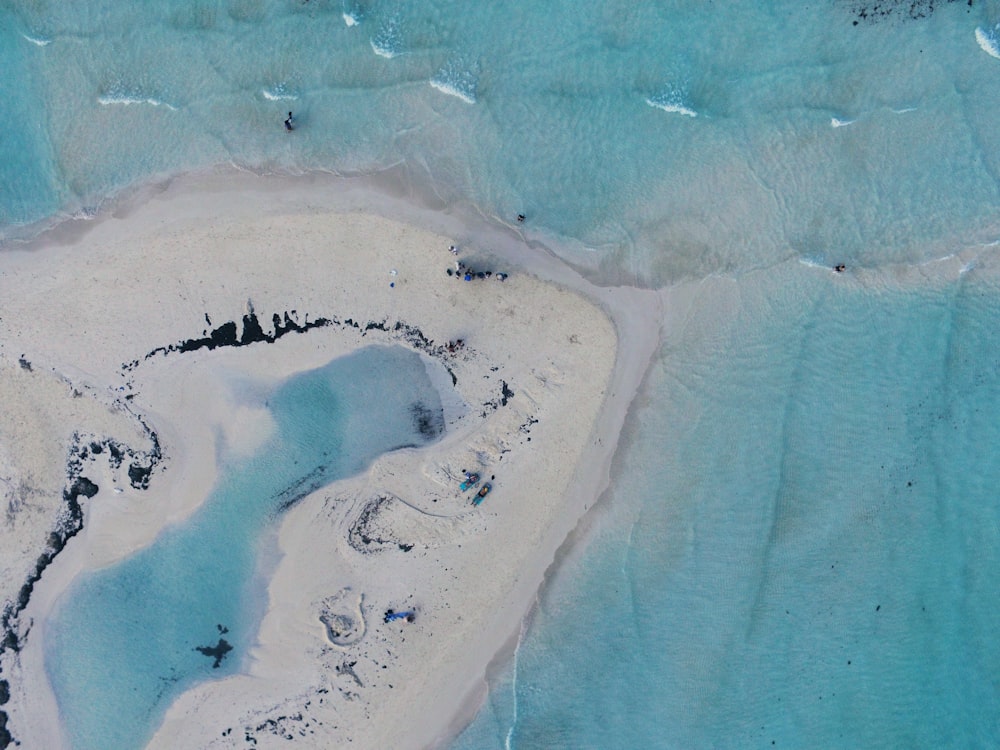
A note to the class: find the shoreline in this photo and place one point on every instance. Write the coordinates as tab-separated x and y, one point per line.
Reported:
389	193
537	277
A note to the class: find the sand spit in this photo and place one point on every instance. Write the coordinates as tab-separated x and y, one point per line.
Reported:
142	333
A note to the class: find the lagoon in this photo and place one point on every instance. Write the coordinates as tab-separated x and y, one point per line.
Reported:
128	639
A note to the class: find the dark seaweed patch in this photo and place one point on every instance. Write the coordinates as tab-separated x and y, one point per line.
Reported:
68	524
301	488
505	393
878	11
6	738
428	422
228	334
365	537
138	475
217	652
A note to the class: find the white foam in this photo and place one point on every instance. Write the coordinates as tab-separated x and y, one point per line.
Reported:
671	106
128	100
350	19
836	122
386	42
277	95
814	264
447	88
988	41
36	41
383	51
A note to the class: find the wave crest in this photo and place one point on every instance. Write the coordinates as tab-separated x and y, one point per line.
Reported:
673	100
458	80
988	41
387	42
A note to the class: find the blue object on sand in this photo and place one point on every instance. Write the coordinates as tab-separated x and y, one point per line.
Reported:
481	495
390	616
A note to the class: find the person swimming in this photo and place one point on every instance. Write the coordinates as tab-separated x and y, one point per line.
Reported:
288	122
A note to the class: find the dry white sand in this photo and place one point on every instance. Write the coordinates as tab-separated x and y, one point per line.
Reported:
326	671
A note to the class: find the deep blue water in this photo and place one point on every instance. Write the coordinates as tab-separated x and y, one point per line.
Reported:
130	632
807	478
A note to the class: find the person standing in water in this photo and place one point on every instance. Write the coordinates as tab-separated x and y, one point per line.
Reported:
288	122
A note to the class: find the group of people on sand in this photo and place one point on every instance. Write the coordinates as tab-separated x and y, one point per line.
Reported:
467	273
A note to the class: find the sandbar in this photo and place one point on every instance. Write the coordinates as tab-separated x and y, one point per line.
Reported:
128	344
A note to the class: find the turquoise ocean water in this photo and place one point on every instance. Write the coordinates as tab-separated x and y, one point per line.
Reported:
802	547
799	543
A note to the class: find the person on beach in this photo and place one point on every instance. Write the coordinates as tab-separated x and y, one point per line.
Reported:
453	250
288	123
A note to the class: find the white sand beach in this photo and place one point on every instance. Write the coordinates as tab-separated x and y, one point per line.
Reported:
541	387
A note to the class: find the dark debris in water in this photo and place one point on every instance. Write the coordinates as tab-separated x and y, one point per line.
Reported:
301	488
217	652
428	422
878	11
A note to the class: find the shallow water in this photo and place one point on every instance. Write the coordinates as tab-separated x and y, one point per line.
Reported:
806	479
131	632
801	547
674	139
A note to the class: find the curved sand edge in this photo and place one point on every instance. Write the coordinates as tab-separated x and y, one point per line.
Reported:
130	285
